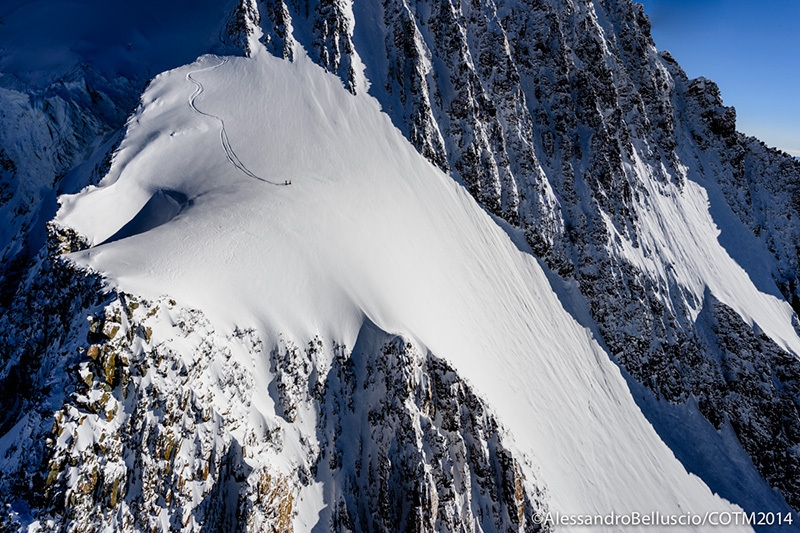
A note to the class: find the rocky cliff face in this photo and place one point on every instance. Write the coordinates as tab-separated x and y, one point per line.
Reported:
562	118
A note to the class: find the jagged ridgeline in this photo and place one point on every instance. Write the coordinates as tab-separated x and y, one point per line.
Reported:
562	117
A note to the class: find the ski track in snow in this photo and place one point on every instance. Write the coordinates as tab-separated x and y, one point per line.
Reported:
223	133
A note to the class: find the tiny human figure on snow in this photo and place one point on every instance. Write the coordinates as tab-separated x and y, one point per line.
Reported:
286	182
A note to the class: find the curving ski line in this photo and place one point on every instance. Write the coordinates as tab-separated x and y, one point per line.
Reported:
223	133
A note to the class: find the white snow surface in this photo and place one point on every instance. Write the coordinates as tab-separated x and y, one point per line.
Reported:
368	229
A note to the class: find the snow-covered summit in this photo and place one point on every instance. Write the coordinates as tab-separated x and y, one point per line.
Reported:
368	232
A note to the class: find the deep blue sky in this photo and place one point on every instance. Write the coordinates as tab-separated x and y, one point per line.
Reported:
751	48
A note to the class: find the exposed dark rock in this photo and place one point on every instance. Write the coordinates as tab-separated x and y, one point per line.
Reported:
431	457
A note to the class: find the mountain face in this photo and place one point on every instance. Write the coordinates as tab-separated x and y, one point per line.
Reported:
563	119
186	343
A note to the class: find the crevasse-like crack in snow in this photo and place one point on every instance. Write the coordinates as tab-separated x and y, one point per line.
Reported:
223	133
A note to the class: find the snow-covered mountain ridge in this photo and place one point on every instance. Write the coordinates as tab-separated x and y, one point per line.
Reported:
293	335
457	269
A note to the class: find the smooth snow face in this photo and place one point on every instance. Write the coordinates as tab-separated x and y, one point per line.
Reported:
368	229
680	247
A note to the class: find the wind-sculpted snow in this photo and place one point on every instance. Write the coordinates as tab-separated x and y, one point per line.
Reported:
162	207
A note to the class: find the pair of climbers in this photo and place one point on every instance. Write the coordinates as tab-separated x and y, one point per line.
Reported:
287	182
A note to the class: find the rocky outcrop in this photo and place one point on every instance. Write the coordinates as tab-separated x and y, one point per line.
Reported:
242	25
402	443
430	456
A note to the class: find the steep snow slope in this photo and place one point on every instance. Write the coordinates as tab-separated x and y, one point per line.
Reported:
368	230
